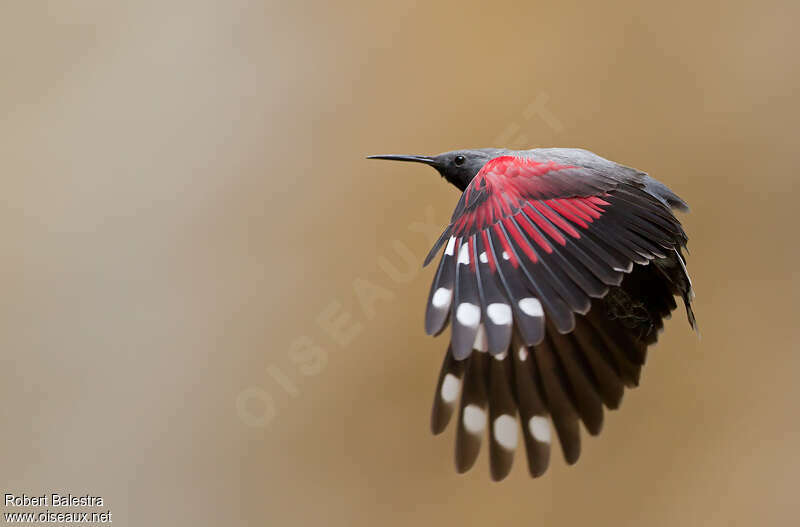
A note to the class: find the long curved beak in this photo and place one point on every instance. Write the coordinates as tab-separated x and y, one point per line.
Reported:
414	159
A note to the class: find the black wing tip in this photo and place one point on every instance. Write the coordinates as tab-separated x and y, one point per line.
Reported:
466	454
429	258
538	471
499	475
463	468
438	425
571	449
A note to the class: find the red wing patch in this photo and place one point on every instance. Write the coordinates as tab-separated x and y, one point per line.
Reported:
506	184
547	237
499	190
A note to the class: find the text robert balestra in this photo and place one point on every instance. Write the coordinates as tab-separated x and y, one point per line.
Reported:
52	500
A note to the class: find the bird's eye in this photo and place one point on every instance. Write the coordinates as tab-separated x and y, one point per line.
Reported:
459	160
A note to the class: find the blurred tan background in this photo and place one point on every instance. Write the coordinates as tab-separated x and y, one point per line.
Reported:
186	211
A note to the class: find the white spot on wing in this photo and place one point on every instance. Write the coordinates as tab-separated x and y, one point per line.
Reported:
626	270
523	353
474	419
463	253
504	429
540	428
450	388
450	246
501	356
441	298
531	307
506	256
498	313
483	258
468	314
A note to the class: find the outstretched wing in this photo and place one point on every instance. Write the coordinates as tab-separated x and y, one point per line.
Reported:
563	265
532	241
535	239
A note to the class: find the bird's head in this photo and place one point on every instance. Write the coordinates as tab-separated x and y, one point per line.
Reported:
458	167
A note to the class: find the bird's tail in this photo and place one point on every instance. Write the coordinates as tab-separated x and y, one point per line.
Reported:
674	270
687	292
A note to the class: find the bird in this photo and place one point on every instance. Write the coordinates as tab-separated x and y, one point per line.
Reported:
558	271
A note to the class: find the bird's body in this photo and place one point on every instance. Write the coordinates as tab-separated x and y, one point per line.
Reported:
559	267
